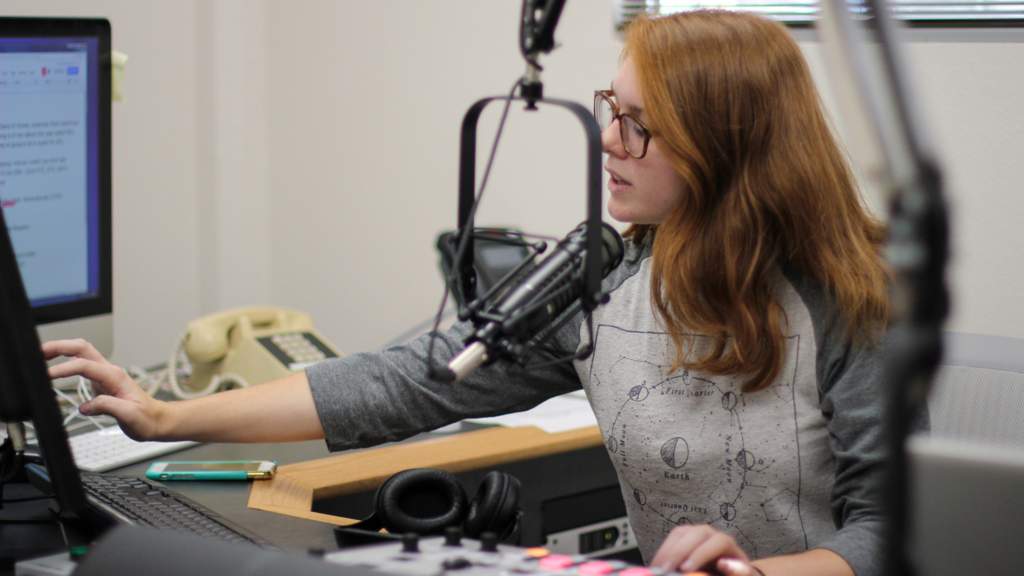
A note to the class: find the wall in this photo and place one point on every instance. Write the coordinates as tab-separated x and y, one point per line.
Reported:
305	154
968	95
972	89
367	103
370	217
158	185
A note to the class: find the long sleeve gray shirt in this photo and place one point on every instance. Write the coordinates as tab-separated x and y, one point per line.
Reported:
791	467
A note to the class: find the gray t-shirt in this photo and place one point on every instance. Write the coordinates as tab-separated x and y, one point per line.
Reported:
785	469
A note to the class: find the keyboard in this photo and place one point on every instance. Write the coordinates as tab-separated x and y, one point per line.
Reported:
109	448
140	502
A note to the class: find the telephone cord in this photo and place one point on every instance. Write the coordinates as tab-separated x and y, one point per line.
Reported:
74	413
83	387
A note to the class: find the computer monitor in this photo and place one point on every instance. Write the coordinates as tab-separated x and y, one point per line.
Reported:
25	392
963	507
55	170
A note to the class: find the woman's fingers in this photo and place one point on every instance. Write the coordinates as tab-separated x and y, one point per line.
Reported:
716	546
107	406
119	395
131	416
679	544
107	378
77	348
688	548
734	567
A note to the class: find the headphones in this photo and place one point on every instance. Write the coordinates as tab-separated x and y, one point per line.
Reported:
428	500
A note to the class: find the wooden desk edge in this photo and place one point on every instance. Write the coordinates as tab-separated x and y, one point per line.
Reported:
295	487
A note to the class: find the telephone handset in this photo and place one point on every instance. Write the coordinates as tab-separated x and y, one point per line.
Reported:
246	346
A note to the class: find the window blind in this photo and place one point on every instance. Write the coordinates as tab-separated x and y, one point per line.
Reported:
806	11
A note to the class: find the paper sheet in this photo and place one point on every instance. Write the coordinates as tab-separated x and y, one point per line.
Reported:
558	414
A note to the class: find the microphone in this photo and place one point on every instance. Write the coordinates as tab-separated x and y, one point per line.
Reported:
539	296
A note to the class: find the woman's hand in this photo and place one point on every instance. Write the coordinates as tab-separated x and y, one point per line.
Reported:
689	548
118	395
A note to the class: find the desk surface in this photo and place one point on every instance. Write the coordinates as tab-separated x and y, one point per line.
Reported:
229	499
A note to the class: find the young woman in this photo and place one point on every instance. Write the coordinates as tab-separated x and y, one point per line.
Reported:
735	371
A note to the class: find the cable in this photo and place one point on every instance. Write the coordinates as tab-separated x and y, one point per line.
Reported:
151	382
75	413
27	499
12	456
429	322
465	234
82	387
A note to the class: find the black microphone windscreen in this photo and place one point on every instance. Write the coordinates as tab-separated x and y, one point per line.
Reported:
614	248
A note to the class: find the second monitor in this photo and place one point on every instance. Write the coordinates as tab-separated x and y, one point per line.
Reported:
55	170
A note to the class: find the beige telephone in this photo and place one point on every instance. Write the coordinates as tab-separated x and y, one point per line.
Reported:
246	346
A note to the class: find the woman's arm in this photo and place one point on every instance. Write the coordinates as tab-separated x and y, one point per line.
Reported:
818	562
356	401
278	411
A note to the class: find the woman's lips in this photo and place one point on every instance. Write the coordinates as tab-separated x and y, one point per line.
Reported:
617	183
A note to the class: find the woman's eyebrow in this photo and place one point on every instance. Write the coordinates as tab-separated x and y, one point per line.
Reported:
634	110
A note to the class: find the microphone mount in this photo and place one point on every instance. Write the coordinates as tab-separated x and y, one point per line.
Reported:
537	36
538	21
532	89
465	281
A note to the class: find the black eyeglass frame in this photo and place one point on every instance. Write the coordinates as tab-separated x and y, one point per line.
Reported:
617	115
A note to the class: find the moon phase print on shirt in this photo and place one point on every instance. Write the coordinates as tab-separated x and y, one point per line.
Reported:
694	448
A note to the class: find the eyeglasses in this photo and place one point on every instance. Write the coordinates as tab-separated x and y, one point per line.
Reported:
635	136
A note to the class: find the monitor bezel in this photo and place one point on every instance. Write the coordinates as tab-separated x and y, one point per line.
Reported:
33	27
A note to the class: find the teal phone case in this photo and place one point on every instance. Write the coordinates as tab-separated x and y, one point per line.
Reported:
195	474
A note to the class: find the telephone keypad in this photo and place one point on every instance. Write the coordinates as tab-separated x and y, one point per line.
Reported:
297	349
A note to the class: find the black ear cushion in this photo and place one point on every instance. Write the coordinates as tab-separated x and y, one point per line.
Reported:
495	506
421	500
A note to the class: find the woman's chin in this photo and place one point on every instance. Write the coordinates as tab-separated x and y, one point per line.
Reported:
624	214
620	213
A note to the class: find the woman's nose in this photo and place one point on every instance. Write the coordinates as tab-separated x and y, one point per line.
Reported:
611	141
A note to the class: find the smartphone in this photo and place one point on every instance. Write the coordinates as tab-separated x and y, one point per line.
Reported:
212	470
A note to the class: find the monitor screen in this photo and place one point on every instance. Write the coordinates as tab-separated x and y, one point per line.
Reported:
55	166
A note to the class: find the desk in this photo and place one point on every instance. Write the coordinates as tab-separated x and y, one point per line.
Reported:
229	499
296	533
225	498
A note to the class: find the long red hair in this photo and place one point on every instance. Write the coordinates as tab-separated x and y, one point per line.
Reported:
732	102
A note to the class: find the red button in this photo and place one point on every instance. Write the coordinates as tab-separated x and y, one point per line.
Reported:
556	562
596	568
